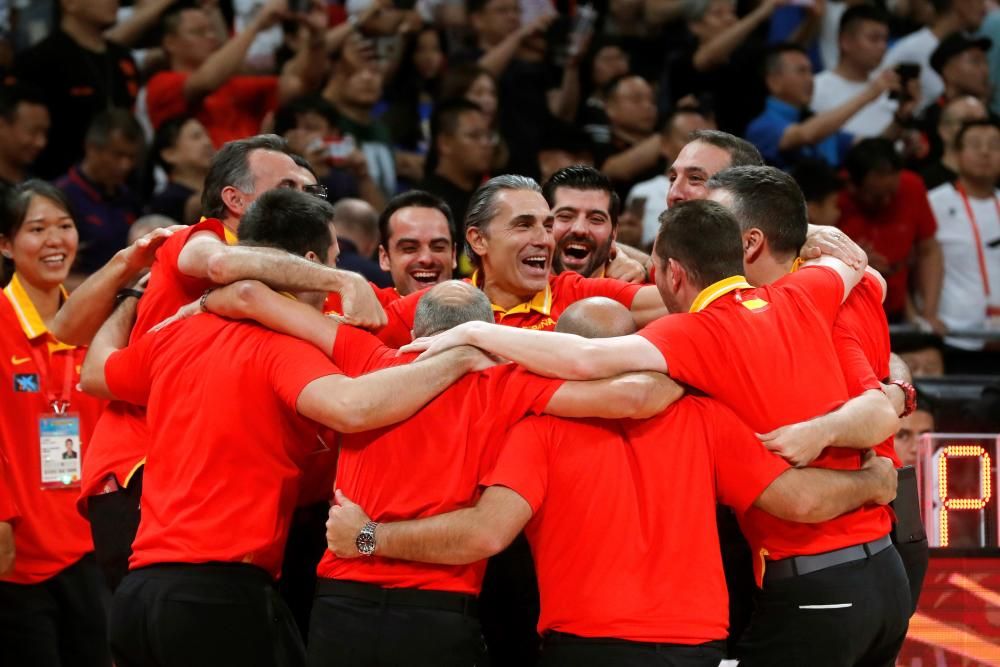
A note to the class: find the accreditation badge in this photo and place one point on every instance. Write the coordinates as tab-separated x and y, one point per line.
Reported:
59	447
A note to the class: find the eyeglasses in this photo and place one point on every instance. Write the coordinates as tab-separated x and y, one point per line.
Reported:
316	190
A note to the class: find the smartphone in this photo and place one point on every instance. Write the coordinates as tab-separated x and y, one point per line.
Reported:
906	72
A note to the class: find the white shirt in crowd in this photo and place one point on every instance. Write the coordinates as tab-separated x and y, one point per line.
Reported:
654	193
963	298
829	34
917	48
830	90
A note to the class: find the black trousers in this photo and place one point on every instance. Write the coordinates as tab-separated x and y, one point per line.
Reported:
59	622
916	558
356	630
855	614
563	650
210	614
737	564
303	552
509	606
114	521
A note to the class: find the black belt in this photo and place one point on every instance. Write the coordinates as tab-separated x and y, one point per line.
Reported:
400	597
799	565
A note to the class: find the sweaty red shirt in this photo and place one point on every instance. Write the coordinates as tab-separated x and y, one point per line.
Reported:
768	354
541	312
623	532
227	446
50	534
121	437
429	464
234	111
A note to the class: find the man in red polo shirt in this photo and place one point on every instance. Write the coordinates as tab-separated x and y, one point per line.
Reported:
191	261
247	464
775	345
511	244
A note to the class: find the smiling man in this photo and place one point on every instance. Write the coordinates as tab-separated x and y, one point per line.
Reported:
509	232
417	241
585	210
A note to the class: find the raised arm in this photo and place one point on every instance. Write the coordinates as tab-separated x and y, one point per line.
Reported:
860	423
628	396
549	353
648	306
305	72
822	125
716	51
111	337
455	538
813	495
498	58
378	399
144	16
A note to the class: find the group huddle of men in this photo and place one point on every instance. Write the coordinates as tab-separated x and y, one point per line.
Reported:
545	399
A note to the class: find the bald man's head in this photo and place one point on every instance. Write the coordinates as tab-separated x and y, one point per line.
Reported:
449	304
596	317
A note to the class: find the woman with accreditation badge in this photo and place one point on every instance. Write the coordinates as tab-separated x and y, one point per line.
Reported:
52	601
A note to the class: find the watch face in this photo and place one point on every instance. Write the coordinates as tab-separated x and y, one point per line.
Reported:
366	543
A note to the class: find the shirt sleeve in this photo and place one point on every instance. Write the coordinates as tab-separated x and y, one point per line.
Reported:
523	464
357	352
165	97
292	364
584	288
744	468
854	337
820	285
399	330
127	371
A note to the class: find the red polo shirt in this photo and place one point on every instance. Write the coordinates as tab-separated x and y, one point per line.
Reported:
233	111
767	353
541	312
624	517
227	446
861	338
893	232
121	437
429	464
50	534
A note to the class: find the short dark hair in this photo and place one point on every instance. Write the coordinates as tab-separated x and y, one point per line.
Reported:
231	167
611	87
971	124
856	14
170	20
816	178
288	220
14	95
767	199
704	237
741	152
414	199
19	198
434	316
868	155
444	120
772	59
287	116
583	177
110	121
459	79
483	205
166	137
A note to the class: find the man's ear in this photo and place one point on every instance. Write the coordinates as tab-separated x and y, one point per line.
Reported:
476	239
753	245
383	259
234	201
678	275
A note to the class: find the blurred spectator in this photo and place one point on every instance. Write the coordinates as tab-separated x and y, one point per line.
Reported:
357	235
911	428
991	28
309	124
953	115
605	61
864	34
204	77
717	62
648	199
417	242
961	62
473	83
633	153
413	89
103	204
80	74
563	145
146	224
183	149
821	187
884	209
354	92
950	16
922	354
24	128
461	153
787	130
968	224
626	22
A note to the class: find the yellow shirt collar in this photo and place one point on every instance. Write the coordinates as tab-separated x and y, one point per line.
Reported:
717	290
27	315
231	238
540	303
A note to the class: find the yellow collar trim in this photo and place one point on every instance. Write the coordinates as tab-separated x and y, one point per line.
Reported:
231	238
31	322
717	290
797	264
540	303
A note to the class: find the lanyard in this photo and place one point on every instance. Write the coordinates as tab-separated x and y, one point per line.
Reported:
975	234
59	402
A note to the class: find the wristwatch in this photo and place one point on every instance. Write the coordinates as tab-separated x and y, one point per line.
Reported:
365	541
909	397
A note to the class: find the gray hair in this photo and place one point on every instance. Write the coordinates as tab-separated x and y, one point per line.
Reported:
483	205
435	314
231	167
